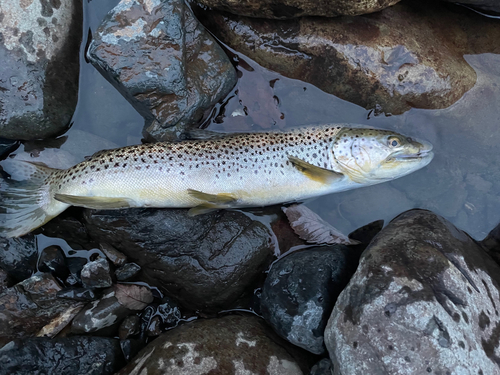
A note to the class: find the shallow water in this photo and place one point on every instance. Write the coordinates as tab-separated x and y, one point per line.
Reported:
461	184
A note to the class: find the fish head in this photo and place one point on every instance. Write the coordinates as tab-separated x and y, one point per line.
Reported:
369	156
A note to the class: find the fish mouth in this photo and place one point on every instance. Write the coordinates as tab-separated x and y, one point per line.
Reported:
424	152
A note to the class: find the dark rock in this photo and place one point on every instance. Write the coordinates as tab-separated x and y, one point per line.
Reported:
129	327
163	62
107	311
156	319
7	146
130	348
228	345
127	271
39	78
75	265
297	8
300	291
424	299
30	305
52	260
4	280
18	256
67	355
78	294
116	257
204	262
392	60
96	274
323	367
486	5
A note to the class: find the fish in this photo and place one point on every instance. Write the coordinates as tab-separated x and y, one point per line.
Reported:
219	171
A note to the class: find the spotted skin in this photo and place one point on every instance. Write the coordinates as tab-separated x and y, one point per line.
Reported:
251	169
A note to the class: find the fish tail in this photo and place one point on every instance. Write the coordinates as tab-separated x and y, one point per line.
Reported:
25	201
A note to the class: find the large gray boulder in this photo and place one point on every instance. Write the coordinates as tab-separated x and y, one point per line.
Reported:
390	61
39	43
424	299
163	62
298	8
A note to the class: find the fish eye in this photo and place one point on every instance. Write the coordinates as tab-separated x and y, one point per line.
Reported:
394	142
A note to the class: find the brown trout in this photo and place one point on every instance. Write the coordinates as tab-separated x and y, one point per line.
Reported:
228	171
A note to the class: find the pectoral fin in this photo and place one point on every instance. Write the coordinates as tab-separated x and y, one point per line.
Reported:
211	202
98	203
315	173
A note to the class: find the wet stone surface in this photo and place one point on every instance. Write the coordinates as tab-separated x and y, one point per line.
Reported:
323	367
117	302
164	63
96	274
28	306
228	345
39	43
300	291
18	256
68	355
127	271
204	262
298	8
390	61
424	299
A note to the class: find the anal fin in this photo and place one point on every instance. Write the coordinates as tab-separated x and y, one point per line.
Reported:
211	202
314	172
98	203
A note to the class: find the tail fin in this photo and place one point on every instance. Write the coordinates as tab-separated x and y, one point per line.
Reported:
24	198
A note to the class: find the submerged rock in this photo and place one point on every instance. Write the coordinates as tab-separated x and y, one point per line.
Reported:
30	305
118	302
164	63
96	274
204	262
486	5
392	60
229	345
298	8
18	256
300	291
424	299
69	355
39	46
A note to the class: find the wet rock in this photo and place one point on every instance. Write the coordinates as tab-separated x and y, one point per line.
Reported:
232	344
78	294
204	262
39	46
96	355
392	60
30	305
163	61
7	146
18	256
127	271
4	280
486	5
300	291
158	318
118	302
424	299
297	8
129	327
75	266
96	274
52	260
116	257
323	367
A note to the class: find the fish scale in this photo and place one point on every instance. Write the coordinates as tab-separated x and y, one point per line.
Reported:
236	170
160	174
